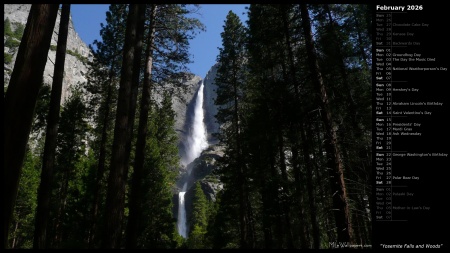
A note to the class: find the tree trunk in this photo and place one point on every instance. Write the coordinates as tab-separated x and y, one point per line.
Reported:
360	42
20	100
321	181
265	193
61	207
310	187
115	199
101	165
298	127
13	245
339	192
274	185
266	220
48	161
299	194
135	84
284	182
342	68
138	174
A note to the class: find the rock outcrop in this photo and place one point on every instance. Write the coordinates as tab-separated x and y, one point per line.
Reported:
210	108
78	53
184	107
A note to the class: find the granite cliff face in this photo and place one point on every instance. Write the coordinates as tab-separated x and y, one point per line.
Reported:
210	108
78	53
184	110
202	168
75	66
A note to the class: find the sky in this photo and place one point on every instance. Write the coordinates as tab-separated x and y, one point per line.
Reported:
203	49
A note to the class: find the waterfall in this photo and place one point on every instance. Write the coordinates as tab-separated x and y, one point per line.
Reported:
196	142
182	213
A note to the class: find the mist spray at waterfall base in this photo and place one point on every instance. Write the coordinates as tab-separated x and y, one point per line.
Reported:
195	143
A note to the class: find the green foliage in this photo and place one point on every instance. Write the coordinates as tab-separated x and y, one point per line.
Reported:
166	135
102	87
175	25
18	33
230	76
178	242
212	178
160	166
72	129
223	224
72	168
7	28
78	56
41	109
108	50
103	78
196	238
199	207
76	164
231	81
7	58
22	226
12	42
70	52
268	108
77	197
198	219
267	101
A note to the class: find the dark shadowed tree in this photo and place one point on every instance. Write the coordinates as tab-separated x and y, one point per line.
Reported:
156	226
169	30
48	160
334	163
230	80
115	199
70	148
20	99
135	197
103	76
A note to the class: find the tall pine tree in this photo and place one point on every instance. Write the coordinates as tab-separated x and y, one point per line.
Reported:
20	99
48	162
230	80
102	85
115	200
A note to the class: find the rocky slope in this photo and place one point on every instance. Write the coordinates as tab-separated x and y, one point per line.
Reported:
202	168
75	65
183	108
210	108
78	52
202	171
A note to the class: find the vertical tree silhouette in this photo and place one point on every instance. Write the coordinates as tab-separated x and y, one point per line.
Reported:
20	99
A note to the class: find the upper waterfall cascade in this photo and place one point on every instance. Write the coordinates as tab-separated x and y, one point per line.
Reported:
195	143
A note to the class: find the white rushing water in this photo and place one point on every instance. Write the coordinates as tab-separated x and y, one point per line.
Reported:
182	213
196	142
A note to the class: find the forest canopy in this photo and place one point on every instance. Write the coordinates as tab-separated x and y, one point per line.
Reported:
293	97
